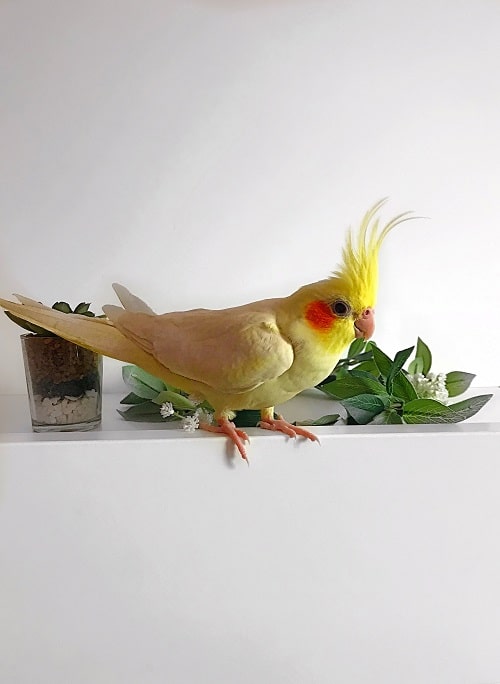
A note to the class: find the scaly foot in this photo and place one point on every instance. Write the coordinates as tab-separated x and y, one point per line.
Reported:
281	425
225	427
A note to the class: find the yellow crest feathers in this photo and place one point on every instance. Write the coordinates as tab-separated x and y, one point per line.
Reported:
359	267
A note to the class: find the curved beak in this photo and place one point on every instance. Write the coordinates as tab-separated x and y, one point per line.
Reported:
364	326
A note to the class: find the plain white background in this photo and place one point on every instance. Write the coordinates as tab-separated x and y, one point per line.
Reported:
213	152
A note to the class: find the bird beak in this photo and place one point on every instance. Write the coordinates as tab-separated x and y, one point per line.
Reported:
364	326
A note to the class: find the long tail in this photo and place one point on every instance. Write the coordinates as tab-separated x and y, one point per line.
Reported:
97	334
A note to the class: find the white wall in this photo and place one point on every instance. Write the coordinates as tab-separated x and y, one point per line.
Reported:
211	152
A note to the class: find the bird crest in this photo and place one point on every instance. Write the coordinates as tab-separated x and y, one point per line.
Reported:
359	267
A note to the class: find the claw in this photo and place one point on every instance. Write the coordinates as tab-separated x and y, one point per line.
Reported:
281	425
237	436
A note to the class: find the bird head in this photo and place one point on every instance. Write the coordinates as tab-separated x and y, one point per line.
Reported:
343	306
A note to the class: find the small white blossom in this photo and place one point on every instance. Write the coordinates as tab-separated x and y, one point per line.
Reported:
166	409
430	386
195	399
204	416
190	423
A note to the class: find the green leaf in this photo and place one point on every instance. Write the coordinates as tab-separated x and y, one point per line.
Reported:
416	366
387	417
82	308
382	361
343	388
364	407
26	325
399	361
62	306
350	386
354	360
324	420
423	352
457	382
432	411
136	385
246	418
371	382
364	356
468	407
145	412
148	379
364	374
426	411
356	347
153	418
402	388
368	366
340	372
343	365
143	384
132	399
179	401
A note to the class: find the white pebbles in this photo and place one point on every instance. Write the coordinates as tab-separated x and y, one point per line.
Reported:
66	410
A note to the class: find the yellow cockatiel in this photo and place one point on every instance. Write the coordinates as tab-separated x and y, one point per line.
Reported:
247	357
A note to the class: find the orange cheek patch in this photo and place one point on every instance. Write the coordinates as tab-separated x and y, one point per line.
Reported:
320	316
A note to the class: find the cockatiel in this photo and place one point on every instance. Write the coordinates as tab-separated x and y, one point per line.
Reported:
247	357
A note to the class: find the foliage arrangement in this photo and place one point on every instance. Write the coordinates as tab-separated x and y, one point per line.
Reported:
371	387
152	400
83	309
375	389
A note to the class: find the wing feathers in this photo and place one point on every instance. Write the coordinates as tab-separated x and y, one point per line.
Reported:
130	301
232	350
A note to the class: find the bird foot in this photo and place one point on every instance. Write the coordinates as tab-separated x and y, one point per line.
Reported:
237	436
281	425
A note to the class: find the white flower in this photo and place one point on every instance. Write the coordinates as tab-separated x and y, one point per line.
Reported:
204	416
430	386
166	409
195	399
190	423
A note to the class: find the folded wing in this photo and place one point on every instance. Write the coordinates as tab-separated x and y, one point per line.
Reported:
232	350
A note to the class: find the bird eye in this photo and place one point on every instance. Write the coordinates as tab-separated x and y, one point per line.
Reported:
341	308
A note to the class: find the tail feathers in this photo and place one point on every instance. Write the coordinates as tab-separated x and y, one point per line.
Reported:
130	302
96	334
113	312
30	302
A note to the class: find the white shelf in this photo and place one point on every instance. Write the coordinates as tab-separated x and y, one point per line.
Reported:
139	553
15	423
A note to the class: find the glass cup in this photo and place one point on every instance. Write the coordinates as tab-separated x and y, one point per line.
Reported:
64	384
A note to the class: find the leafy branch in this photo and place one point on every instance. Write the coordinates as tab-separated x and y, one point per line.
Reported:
375	389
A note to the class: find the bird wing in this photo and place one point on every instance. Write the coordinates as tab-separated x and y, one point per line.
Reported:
231	350
130	301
